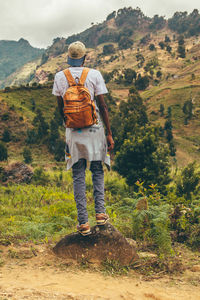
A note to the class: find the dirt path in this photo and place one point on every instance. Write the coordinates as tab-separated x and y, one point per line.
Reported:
46	277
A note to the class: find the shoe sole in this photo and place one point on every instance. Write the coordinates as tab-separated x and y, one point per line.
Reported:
84	233
102	222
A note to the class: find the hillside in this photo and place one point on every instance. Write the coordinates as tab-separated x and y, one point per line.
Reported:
14	55
16	116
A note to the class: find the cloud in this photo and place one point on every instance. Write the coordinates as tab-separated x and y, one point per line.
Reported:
40	21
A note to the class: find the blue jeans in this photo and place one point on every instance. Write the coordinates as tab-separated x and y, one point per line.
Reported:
78	171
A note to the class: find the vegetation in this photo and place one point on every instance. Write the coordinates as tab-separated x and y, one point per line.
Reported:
45	209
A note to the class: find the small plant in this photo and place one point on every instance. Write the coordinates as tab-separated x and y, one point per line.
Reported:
113	267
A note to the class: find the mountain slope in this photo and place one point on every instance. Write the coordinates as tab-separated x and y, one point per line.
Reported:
14	55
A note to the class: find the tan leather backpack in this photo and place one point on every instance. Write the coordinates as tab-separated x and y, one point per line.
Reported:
79	109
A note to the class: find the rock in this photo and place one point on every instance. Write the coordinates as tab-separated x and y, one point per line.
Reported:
18	173
104	242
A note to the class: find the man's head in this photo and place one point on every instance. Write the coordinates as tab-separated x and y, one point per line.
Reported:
76	54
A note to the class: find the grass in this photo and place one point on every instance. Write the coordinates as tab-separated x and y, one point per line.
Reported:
35	212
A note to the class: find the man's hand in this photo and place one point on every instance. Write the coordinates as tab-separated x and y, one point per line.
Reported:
110	142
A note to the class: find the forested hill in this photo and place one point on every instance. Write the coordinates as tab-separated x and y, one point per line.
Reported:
125	28
14	54
126	25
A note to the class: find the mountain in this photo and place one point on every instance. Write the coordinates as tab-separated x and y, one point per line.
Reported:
14	55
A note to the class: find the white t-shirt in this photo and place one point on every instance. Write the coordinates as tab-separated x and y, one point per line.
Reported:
94	82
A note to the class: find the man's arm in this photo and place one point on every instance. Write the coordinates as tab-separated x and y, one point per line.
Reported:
104	113
60	106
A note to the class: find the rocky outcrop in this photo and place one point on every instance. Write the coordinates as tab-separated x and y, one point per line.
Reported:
104	242
17	172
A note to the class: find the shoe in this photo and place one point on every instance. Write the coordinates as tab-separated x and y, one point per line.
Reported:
101	218
84	229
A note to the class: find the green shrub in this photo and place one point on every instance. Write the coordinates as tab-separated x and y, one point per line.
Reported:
40	177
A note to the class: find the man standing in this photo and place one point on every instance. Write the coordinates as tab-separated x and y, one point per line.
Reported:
89	143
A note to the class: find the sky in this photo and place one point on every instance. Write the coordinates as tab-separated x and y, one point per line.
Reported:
40	21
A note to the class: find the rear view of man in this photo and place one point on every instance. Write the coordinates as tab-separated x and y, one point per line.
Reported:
84	143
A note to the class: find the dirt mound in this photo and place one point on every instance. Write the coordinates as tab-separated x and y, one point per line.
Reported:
17	173
105	242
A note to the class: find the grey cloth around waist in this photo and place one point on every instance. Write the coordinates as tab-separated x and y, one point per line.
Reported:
88	143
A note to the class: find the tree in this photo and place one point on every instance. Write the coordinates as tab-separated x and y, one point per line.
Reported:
40	123
162	109
142	157
157	23
188	181
125	43
59	151
152	47
33	105
169	48
3	152
6	137
162	45
169	112
181	47
181	51
53	136
108	49
27	155
146	39
129	75
159	74
50	77
169	135
172	148
167	39
31	136
127	117
168	124
111	16
142	83
187	109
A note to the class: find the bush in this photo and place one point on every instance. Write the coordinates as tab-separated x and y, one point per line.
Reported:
40	177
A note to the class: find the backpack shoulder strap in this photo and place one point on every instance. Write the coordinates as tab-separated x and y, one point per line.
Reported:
69	77
83	76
